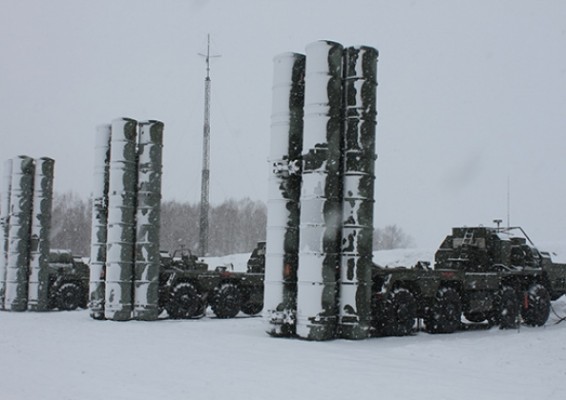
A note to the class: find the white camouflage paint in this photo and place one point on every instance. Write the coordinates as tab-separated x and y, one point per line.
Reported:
360	83
283	194
40	230
320	214
121	220
4	225
146	274
19	243
99	225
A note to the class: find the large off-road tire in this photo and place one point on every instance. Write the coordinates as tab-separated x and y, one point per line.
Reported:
52	298
445	312
506	310
536	305
475	316
185	302
84	299
69	296
251	308
226	301
397	313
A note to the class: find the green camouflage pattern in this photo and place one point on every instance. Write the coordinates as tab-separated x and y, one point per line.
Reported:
19	241
281	253
40	231
99	226
4	226
321	190
147	262
121	220
360	82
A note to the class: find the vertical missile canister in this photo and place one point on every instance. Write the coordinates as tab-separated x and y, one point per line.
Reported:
6	190
19	235
40	229
146	272
121	224
99	221
319	237
360	82
281	258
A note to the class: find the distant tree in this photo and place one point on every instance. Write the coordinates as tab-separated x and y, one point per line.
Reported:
391	237
179	226
235	226
223	228
70	223
253	221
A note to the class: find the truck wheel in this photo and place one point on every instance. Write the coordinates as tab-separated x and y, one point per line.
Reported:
226	301
536	307
185	302
397	313
52	299
506	308
69	297
475	316
445	312
252	308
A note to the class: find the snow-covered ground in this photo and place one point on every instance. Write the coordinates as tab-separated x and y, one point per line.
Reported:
385	258
69	356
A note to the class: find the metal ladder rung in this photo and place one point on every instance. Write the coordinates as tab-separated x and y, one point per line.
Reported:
468	238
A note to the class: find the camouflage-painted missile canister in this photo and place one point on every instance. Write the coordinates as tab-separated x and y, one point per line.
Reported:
5	193
281	258
146	273
121	224
40	229
19	243
360	82
321	190
99	221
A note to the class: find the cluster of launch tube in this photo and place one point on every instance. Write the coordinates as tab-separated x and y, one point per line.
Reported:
25	224
124	262
320	201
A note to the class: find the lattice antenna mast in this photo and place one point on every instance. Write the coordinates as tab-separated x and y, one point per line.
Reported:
508	201
204	203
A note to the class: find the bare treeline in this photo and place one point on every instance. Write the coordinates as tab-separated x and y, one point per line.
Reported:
235	226
70	223
391	237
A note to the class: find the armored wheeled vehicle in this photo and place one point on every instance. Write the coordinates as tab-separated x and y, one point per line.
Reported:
256	262
68	281
187	287
486	274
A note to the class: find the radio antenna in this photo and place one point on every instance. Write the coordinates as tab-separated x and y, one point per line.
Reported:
204	202
508	201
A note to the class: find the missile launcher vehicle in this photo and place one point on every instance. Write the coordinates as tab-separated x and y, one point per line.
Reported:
494	275
68	281
187	287
256	262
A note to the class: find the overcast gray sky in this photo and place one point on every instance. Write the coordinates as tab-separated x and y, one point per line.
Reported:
471	94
